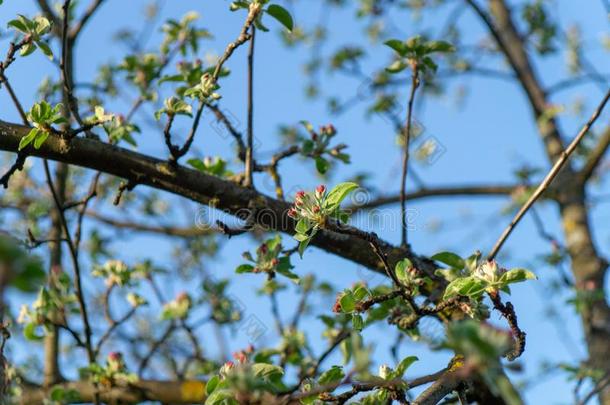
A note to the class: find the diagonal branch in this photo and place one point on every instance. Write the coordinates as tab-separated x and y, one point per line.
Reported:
557	167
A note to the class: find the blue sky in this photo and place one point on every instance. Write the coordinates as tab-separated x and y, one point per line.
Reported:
484	140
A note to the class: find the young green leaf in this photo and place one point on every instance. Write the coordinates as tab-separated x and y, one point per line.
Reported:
331	376
397	45
516	276
281	15
404	365
338	194
450	259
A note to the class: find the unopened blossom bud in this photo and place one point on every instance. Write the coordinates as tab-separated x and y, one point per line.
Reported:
316	209
314	136
320	190
275	262
115	361
182	296
299	195
240	357
384	371
250	349
337	305
292	213
115	356
329	130
263	249
226	368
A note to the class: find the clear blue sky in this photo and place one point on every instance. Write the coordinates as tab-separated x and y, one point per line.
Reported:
485	140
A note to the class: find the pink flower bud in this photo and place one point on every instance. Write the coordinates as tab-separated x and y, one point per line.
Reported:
240	357
275	262
115	356
337	305
292	213
321	189
316	209
299	195
263	249
182	296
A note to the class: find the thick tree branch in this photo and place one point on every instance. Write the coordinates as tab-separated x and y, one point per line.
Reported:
222	194
174	392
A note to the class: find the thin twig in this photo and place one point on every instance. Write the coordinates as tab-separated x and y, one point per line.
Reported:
77	273
250	134
563	158
405	156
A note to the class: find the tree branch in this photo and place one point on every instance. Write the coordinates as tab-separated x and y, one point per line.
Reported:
210	190
174	392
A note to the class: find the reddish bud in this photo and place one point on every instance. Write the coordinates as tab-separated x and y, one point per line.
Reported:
275	262
329	130
263	249
182	296
316	209
314	136
337	306
321	189
299	195
115	356
240	357
292	213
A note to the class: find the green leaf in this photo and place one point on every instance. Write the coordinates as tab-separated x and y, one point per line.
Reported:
357	322
303	245
287	273
322	165
439	46
404	365
45	49
197	164
18	25
338	194
331	376
468	286
397	66
29	332
516	276
397	45
347	302
27	49
211	385
401	270
302	226
26	140
282	15
244	268
42	136
268	371
450	259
